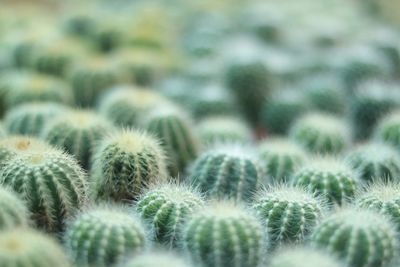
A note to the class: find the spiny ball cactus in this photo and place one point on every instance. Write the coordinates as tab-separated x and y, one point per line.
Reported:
375	161
77	132
329	177
177	138
388	130
23	247
281	158
30	118
13	212
224	235
159	259
227	171
166	207
125	163
361	238
103	236
50	181
290	214
321	133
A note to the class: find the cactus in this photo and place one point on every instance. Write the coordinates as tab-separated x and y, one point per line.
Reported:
375	161
51	182
125	164
3	132
104	236
13	212
321	133
361	238
29	119
178	140
227	171
78	132
281	158
224	235
388	130
23	247
166	207
152	259
331	178
290	214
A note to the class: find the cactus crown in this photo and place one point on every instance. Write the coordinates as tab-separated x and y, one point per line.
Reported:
376	152
152	259
81	119
281	146
380	191
328	164
22	144
290	194
325	123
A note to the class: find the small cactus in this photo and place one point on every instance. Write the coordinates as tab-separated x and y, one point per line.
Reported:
361	238
290	214
159	259
166	207
321	133
13	212
224	235
125	163
51	182
375	161
104	236
23	247
78	132
281	158
179	141
388	130
29	119
331	178
227	171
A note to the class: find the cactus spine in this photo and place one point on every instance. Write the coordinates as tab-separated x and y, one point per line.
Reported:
13	212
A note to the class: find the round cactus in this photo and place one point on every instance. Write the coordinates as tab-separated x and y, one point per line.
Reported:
13	212
179	141
104	236
23	247
281	158
78	132
166	207
125	163
388	130
290	214
151	259
224	235
331	178
361	238
375	161
51	182
227	171
30	118
321	133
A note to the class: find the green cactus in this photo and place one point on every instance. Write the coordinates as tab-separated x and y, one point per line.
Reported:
3	132
29	119
51	182
104	236
361	238
178	140
321	133
152	259
125	164
23	247
281	158
13	212
166	207
328	177
375	161
227	171
290	214
77	132
388	130
224	235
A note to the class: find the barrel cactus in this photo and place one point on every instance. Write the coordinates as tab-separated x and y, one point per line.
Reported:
104	236
126	163
13	212
361	238
388	130
224	235
151	259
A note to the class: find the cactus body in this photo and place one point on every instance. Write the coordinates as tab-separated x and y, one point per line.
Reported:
360	238
125	164
152	259
388	130
13	212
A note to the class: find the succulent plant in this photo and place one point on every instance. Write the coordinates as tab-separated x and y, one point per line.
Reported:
77	132
125	163
360	237
151	259
104	236
51	182
321	133
23	247
30	118
388	130
227	171
13	212
375	161
224	235
166	208
331	178
281	158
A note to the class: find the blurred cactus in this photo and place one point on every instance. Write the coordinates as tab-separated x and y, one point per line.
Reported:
388	130
13	212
